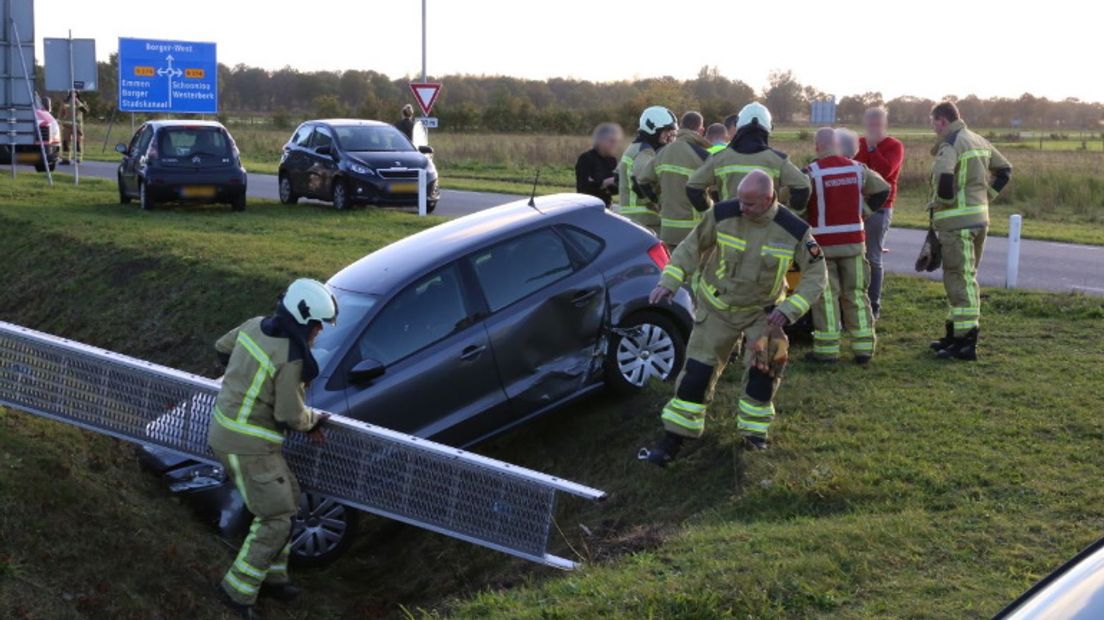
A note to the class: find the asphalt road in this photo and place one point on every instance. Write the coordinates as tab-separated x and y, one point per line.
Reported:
1044	265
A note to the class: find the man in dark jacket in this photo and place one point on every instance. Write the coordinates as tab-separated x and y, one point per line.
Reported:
596	169
406	125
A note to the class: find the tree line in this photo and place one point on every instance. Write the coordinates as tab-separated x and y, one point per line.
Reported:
558	105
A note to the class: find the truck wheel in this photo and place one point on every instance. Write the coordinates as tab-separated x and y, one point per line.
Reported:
322	530
645	346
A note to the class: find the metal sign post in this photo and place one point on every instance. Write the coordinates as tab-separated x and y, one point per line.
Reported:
30	93
71	67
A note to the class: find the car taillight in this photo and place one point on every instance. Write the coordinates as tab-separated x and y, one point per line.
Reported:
659	255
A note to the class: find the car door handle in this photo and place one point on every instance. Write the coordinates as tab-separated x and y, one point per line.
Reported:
472	352
583	297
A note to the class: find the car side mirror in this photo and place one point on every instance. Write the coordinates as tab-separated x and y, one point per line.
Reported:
425	149
121	148
323	150
365	371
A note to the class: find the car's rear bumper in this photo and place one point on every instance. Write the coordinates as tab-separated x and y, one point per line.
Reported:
220	185
390	192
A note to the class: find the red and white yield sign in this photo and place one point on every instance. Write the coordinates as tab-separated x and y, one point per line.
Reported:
426	94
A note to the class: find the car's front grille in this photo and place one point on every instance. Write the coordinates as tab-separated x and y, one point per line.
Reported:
397	173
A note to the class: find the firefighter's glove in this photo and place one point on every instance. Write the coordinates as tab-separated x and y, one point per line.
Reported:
931	253
771	352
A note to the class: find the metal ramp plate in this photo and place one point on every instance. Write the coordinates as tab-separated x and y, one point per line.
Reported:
426	484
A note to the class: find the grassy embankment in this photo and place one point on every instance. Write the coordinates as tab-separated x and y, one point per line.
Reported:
1058	189
909	489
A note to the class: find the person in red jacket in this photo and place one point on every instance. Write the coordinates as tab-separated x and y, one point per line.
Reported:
883	154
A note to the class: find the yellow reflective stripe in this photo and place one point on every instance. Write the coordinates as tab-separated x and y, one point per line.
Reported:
967	312
687	406
730	241
673	223
247	429
827	335
237	476
957	211
756	427
278	568
739	168
711	296
244	567
799	302
970	270
683	170
862	333
265	369
776	252
756	411
629	163
239	585
257	352
862	346
675	272
674	417
963	169
860	292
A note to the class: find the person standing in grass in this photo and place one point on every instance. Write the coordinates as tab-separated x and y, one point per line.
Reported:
843	189
967	173
658	126
663	179
885	155
268	364
596	169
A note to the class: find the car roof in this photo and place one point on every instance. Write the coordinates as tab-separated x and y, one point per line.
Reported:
405	260
339	122
183	123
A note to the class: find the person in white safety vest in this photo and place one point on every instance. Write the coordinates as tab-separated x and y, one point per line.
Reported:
843	193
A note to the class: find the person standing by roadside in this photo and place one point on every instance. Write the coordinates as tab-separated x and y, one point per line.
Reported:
717	135
883	154
967	173
72	140
596	169
406	123
663	179
658	126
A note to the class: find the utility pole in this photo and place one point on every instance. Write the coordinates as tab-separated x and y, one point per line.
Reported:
424	76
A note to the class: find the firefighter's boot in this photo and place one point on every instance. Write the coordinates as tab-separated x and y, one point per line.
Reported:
946	340
964	348
665	452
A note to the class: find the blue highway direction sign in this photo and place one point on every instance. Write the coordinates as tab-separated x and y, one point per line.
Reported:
167	76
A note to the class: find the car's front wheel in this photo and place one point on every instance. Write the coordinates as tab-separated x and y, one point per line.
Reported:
340	195
287	194
321	531
646	346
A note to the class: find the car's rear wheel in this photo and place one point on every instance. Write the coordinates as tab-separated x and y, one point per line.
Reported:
238	203
145	200
340	195
124	198
646	346
287	194
321	531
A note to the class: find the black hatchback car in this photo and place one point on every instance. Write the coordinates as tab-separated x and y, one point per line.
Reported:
193	161
351	162
473	327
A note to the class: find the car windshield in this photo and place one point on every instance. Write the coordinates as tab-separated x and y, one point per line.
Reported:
372	138
186	142
351	310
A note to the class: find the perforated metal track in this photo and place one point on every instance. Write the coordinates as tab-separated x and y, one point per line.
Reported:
450	491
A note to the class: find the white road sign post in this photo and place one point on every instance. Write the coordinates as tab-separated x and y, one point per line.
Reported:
1012	272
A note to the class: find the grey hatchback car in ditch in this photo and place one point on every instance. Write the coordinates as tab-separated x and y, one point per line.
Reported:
473	327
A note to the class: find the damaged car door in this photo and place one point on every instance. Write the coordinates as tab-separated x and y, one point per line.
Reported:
546	311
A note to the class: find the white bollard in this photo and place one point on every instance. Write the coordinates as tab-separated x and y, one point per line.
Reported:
422	192
1012	274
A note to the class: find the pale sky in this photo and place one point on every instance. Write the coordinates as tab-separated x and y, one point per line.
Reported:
919	47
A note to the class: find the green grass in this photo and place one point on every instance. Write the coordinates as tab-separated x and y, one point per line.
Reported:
909	489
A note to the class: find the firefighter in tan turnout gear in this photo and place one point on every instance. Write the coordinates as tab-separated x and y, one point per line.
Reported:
749	150
663	179
738	255
268	362
967	173
657	127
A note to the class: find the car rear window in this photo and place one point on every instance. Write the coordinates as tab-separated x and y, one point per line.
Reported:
588	245
186	142
513	269
372	138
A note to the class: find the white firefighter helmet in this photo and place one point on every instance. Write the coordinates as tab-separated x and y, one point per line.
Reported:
309	300
657	118
754	112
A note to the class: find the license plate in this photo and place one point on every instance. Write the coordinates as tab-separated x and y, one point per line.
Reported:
197	191
404	188
28	158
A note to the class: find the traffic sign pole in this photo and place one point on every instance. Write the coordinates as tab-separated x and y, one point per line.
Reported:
77	151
